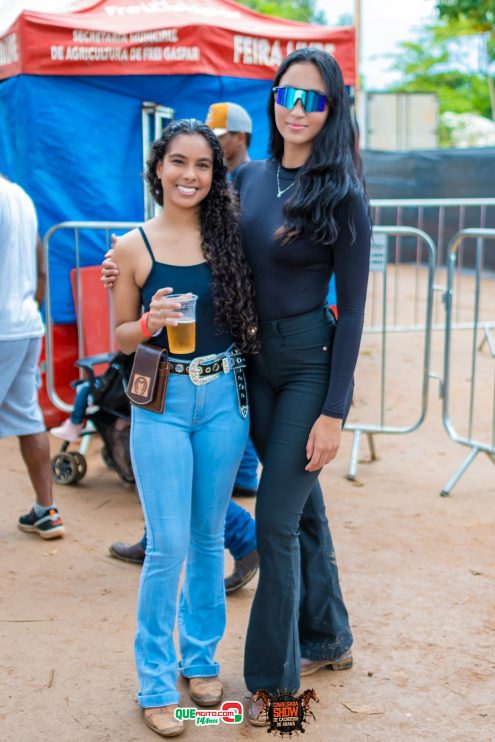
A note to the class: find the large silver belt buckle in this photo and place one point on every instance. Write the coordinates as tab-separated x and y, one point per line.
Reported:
197	373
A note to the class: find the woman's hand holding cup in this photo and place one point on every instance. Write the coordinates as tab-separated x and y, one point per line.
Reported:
164	311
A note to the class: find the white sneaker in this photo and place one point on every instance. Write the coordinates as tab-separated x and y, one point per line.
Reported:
68	431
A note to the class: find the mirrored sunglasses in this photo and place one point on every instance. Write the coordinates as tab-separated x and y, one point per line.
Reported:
311	100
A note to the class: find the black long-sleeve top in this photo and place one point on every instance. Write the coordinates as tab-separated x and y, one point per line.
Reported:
293	279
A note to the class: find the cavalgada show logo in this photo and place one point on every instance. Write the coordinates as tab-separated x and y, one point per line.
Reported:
284	712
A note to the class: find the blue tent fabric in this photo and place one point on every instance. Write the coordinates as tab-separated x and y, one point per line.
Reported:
74	144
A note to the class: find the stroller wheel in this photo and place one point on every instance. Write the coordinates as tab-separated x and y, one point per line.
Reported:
105	455
82	467
65	468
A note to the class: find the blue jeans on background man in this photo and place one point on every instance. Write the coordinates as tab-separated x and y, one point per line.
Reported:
185	462
247	476
240	531
240	527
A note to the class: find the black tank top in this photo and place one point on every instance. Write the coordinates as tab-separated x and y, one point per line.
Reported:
183	279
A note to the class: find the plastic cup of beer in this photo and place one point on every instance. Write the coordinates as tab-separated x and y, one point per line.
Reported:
182	337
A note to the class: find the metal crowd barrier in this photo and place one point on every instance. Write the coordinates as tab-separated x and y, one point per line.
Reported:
384	290
77	228
393	308
441	219
478	415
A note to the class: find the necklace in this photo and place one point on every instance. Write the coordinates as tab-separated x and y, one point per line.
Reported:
281	191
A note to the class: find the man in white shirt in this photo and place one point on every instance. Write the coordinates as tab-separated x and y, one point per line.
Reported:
21	330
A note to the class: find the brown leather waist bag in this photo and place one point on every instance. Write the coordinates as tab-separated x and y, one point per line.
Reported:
147	385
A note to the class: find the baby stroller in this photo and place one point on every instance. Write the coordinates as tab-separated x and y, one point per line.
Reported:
108	416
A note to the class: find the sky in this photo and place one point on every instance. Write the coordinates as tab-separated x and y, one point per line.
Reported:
385	24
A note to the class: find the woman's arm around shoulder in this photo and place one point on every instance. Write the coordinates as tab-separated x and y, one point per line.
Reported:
126	295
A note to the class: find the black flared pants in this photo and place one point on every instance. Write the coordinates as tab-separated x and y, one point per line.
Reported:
298	607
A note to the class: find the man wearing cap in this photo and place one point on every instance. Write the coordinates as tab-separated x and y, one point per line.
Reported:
233	126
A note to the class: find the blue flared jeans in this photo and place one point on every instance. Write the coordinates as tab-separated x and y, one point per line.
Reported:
185	462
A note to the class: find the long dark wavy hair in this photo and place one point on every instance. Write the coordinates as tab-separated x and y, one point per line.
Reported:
333	173
231	284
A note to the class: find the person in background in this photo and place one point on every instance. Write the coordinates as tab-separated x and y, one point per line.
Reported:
71	429
21	330
232	125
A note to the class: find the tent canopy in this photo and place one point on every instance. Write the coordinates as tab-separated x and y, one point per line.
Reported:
71	106
164	37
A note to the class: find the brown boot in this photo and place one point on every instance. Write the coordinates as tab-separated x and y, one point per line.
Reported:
205	691
162	721
344	662
244	571
256	714
133	553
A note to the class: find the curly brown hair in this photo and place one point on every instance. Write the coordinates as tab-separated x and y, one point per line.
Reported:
231	280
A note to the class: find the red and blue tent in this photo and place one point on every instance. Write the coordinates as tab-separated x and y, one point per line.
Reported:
72	86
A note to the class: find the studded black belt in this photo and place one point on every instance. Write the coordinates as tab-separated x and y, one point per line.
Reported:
203	369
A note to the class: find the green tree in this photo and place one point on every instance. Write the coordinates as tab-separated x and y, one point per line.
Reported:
479	13
295	10
438	63
473	18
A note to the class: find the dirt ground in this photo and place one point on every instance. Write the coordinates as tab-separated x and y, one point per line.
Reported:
417	571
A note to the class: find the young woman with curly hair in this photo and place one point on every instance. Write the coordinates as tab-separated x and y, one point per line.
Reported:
185	460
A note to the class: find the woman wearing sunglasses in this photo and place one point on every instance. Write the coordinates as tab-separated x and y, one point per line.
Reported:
304	217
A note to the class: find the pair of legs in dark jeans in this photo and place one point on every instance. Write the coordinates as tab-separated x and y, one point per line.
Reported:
298	608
